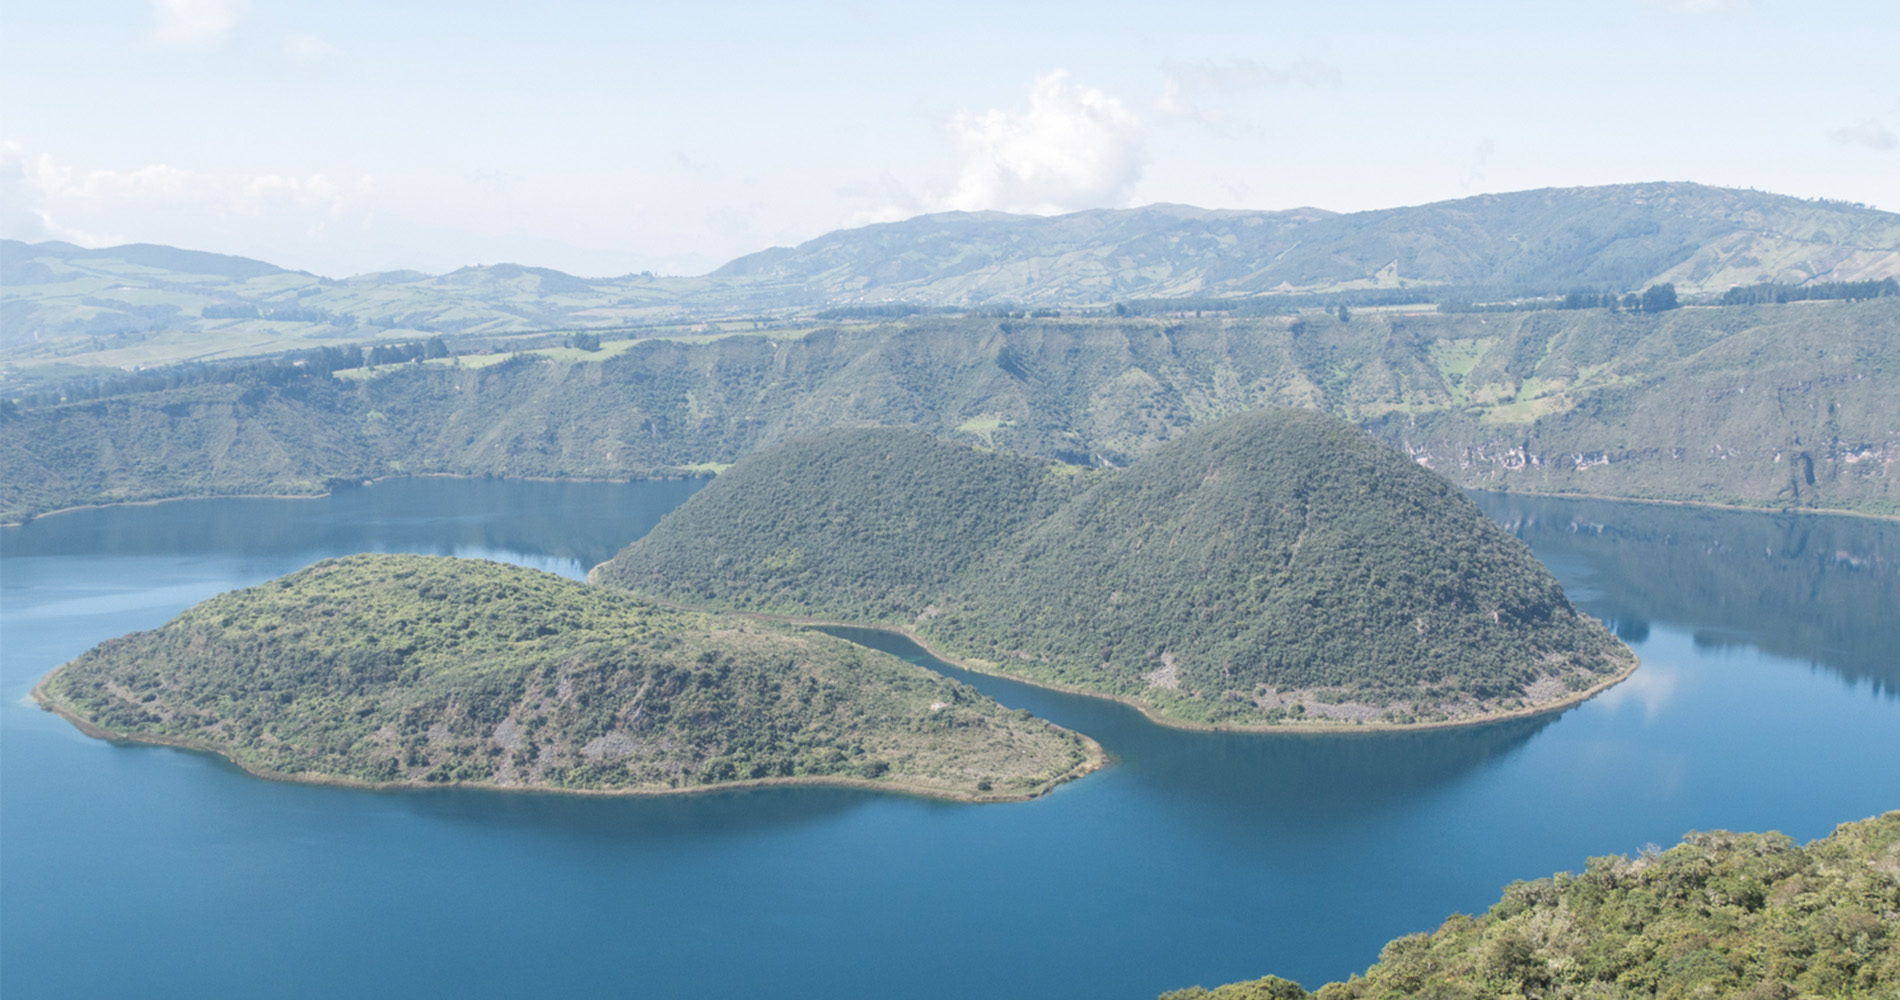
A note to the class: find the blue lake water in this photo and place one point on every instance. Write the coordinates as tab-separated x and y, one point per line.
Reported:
1769	698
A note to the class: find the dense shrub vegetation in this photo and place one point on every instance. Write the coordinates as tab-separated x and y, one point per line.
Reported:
317	364
1748	915
1269	566
864	524
398	668
1772	292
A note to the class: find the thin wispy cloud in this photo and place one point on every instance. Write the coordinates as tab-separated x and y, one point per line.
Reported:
894	200
1186	87
1235	76
1870	133
309	54
195	25
1480	158
1697	6
1074	147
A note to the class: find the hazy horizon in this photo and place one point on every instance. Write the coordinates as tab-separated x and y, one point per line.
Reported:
755	250
347	138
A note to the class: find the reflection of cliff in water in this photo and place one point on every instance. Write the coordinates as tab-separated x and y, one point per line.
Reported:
646	819
582	522
1265	779
1818	588
1281	779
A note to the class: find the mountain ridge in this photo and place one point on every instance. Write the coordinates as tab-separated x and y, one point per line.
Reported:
1618	237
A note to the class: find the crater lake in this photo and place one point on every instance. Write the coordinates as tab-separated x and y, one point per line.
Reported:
1768	698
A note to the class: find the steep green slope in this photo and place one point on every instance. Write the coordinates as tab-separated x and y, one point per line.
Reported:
1791	407
1268	567
1270	559
420	669
204	440
1720	915
1733	405
862	524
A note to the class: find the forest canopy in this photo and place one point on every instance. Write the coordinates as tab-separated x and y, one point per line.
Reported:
1271	566
1746	915
408	669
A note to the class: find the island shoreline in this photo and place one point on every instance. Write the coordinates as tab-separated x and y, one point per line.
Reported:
1569	701
154	501
1097	758
355	484
1708	504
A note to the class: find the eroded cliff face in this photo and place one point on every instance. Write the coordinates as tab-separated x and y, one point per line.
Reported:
1788	405
1747	466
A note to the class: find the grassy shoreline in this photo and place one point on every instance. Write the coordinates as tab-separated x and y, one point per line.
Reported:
1097	759
155	501
1569	700
1705	504
692	473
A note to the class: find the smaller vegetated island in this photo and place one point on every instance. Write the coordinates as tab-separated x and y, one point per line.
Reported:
1748	915
426	670
1272	568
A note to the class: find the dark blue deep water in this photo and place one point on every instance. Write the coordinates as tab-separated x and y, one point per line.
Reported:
1769	698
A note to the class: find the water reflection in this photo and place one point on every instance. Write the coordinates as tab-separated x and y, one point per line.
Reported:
1197	857
644	819
1815	587
1652	688
564	528
1256	779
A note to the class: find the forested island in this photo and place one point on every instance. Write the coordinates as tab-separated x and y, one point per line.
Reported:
1748	915
390	670
1276	568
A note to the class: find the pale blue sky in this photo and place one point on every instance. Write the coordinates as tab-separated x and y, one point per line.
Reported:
602	138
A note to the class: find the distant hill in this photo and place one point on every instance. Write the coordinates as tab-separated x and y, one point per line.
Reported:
23	264
1744	915
226	306
1269	567
404	669
1619	238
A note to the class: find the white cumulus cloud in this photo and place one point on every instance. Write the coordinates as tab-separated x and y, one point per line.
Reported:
42	198
1074	147
1870	132
19	207
196	25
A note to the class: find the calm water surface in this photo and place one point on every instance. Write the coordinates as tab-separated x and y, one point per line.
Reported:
1769	697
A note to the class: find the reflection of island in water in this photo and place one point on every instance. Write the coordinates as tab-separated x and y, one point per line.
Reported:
1819	588
579	523
1260	779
